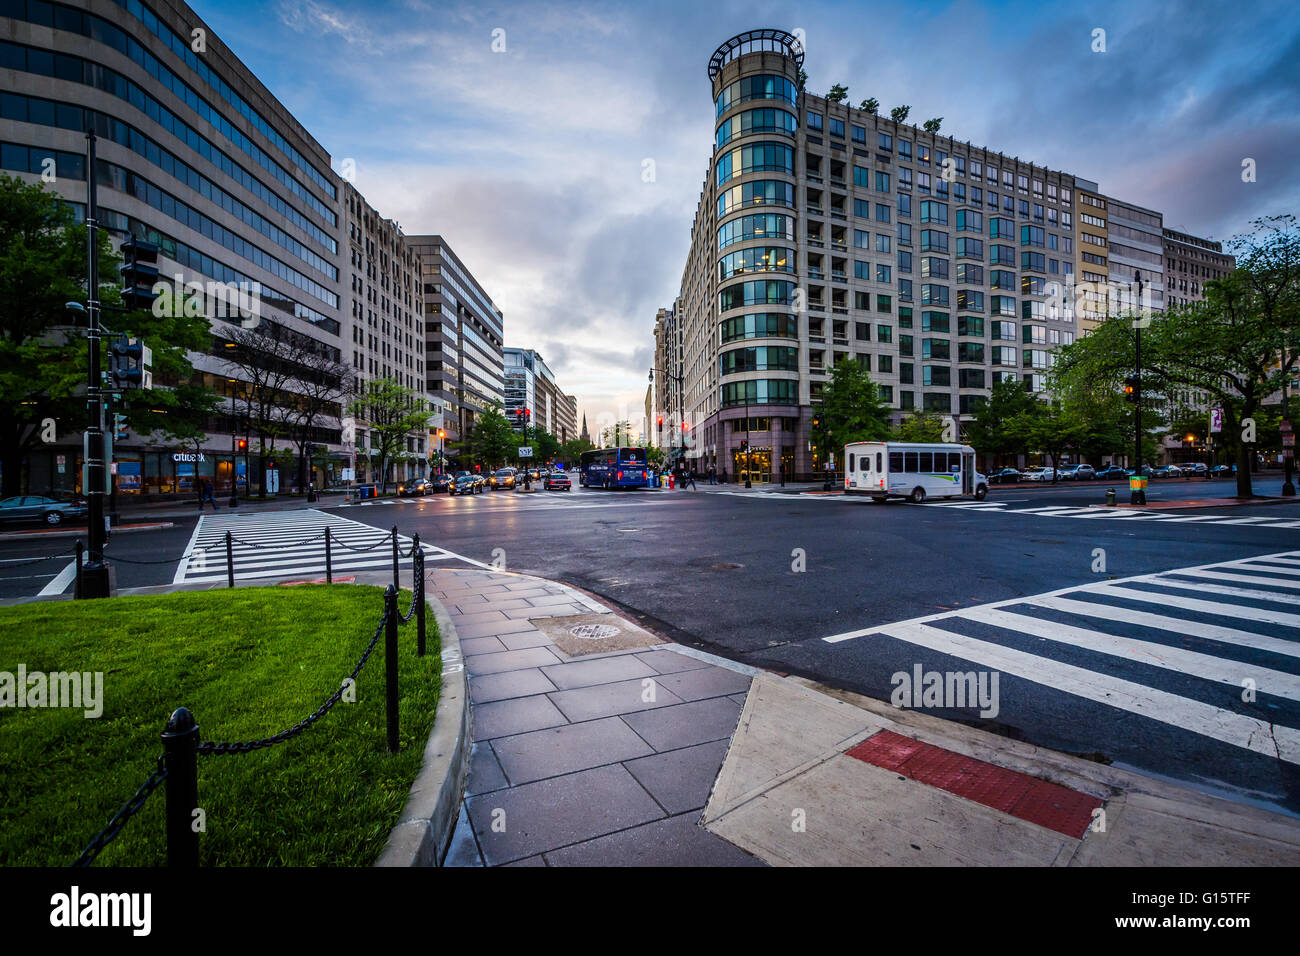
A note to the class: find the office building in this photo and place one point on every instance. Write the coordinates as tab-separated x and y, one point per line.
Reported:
533	397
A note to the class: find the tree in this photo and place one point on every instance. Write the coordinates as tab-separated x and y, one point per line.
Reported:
1050	428
318	386
802	80
492	441
837	94
1234	347
899	113
871	105
924	427
932	125
852	410
989	434
570	452
264	362
43	359
391	411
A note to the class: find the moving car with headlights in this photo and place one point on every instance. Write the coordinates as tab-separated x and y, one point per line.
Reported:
417	488
557	481
466	484
915	471
39	508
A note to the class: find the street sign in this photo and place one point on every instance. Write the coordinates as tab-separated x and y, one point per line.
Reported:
62	462
349	474
526	452
1216	420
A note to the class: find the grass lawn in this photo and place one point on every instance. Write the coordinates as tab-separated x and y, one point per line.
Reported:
248	663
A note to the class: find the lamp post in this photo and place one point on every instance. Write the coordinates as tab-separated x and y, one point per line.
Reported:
748	483
1137	496
94	573
1288	437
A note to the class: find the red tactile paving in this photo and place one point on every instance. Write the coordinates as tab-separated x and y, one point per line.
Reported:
1018	794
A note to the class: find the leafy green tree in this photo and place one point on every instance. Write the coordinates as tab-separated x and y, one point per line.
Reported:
837	93
899	114
570	452
492	441
932	125
852	410
391	411
924	427
802	80
989	434
1050	428
1233	347
871	105
43	358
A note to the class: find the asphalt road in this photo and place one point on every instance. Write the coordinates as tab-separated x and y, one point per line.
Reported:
765	578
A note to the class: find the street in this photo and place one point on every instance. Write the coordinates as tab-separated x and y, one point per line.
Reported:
1146	674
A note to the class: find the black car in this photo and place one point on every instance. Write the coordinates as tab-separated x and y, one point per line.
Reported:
1113	473
1225	471
417	488
440	483
466	484
1007	476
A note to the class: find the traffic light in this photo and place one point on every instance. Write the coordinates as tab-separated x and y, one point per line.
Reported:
243	444
528	414
139	273
661	421
441	433
744	443
816	422
131	363
119	426
1131	385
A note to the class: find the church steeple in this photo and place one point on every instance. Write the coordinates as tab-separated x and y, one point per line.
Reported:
584	436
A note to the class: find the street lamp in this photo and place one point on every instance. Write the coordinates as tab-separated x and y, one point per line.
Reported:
1137	495
1288	435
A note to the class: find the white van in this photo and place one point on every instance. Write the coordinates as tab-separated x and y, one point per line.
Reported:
891	469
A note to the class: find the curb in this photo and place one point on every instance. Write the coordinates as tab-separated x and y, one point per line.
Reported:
425	827
81	532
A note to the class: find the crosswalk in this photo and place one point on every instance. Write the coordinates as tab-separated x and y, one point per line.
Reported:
291	544
1212	649
1103	513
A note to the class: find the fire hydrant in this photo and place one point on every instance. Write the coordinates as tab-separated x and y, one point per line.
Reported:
1110	497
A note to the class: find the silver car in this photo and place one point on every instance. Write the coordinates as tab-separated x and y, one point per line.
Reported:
37	508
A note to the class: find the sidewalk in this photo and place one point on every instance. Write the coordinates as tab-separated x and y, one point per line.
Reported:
593	743
596	744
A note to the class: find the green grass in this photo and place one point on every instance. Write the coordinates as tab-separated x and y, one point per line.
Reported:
248	662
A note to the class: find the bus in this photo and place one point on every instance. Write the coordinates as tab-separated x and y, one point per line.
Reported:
891	469
621	467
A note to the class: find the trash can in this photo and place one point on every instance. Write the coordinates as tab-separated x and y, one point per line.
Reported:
366	491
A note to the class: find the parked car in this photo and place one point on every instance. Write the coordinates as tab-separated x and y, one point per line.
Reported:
1165	471
1007	476
1080	472
439	483
414	489
1037	473
466	484
39	508
1197	468
557	481
1225	471
1111	473
502	478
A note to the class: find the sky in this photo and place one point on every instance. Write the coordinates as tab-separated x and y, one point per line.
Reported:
561	149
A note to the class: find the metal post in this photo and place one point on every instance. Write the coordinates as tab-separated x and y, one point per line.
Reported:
95	583
180	746
396	581
230	562
76	587
419	600
329	559
390	664
1136	495
1288	451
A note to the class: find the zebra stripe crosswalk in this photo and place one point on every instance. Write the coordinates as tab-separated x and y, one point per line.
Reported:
1144	645
292	544
1125	514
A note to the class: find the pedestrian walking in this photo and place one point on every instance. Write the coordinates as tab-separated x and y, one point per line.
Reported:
688	478
207	495
713	475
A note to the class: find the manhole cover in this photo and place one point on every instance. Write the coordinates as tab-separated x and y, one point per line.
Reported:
594	632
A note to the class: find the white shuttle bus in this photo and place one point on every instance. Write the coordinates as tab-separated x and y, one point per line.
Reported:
891	469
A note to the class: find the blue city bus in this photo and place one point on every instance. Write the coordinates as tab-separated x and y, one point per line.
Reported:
622	467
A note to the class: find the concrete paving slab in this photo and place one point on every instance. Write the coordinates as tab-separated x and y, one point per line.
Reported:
523	683
481	645
494	629
677	841
667	662
681	725
517	642
605	670
705	682
504	718
680	780
549	814
482	664
562	750
606	700
485	773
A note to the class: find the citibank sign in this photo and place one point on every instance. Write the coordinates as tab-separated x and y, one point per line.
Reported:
194	456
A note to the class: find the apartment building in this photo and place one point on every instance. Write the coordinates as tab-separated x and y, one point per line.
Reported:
384	326
464	339
1190	262
825	232
196	155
